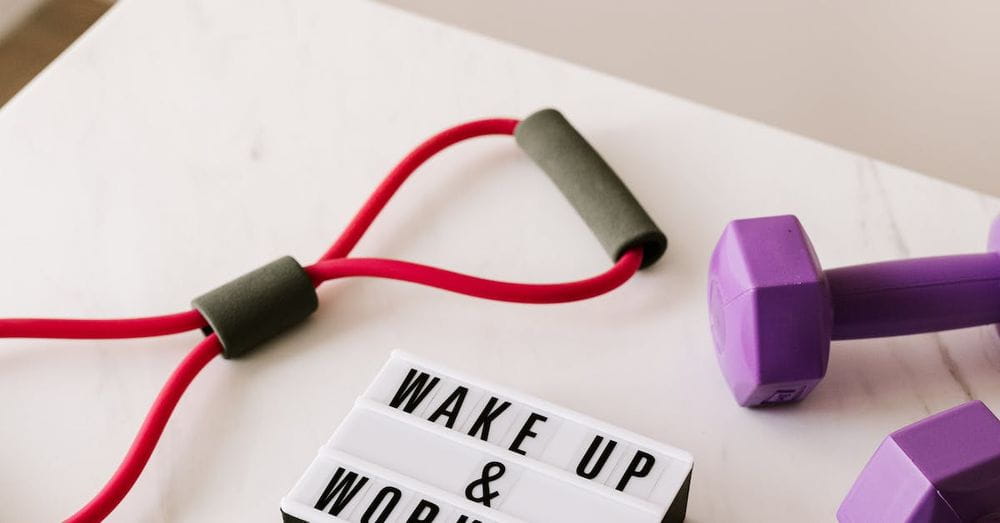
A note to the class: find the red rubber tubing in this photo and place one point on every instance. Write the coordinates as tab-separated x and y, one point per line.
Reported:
332	265
101	329
481	287
190	320
435	144
149	433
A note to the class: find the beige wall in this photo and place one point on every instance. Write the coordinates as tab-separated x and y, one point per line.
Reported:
915	82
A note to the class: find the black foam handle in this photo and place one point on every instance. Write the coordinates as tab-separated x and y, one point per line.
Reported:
257	306
591	186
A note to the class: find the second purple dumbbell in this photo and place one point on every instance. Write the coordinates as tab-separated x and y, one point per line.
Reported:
774	310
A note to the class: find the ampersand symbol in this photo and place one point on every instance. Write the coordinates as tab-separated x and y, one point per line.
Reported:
493	471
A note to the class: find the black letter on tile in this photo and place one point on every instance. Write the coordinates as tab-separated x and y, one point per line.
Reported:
450	407
344	491
526	432
465	519
595	470
640	467
394	495
408	387
488	414
425	512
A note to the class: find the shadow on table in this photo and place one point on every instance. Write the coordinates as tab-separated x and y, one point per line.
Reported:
905	376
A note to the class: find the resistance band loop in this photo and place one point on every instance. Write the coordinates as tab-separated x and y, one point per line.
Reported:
334	264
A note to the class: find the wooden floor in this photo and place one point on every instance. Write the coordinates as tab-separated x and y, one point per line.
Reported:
40	38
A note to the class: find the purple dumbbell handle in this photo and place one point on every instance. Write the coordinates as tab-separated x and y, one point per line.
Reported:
916	295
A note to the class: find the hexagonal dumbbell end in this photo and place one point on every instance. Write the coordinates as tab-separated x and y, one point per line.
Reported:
770	310
944	469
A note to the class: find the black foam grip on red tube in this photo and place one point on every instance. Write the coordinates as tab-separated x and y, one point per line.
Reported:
591	186
257	306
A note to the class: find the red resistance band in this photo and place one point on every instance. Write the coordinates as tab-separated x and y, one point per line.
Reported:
333	265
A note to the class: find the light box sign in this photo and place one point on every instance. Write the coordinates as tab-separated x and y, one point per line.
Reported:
428	445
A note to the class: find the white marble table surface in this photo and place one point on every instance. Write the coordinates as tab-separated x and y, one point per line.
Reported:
179	144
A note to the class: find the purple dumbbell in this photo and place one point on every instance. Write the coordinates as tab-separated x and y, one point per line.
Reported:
944	469
774	311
